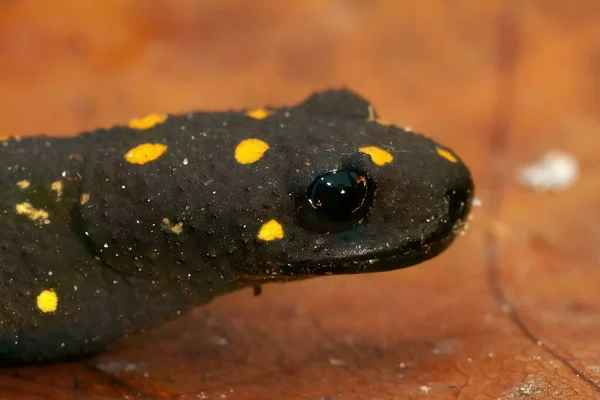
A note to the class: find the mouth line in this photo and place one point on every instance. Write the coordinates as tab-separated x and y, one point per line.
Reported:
394	260
411	253
371	263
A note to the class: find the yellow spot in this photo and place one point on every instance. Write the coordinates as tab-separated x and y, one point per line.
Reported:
271	230
175	228
32	213
4	138
447	155
23	184
259	113
372	114
145	153
250	150
373	117
383	122
57	187
378	155
85	197
147	122
47	301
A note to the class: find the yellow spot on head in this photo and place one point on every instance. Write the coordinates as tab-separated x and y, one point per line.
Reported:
372	114
259	113
147	122
57	187
174	228
85	197
145	153
447	155
23	184
373	117
32	213
271	230
250	150
378	155
47	301
383	122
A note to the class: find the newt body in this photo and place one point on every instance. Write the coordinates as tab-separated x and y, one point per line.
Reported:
117	230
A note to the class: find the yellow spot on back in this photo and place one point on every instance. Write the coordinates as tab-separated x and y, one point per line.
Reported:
378	155
447	155
47	301
145	153
259	113
250	150
174	228
32	213
85	197
271	230
57	187
23	184
147	122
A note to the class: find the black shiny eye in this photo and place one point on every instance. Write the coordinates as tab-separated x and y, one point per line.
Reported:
337	200
338	194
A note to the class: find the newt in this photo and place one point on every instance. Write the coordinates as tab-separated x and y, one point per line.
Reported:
118	230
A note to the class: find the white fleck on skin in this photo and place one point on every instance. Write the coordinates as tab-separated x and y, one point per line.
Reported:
555	171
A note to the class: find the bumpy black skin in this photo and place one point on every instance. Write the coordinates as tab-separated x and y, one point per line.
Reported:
116	270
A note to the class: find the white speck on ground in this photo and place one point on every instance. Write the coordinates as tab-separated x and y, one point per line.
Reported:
555	171
525	389
117	367
336	362
447	346
219	341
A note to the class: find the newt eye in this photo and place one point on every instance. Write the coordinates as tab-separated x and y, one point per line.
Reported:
336	200
338	194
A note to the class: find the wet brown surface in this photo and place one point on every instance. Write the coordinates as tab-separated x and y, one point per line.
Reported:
499	87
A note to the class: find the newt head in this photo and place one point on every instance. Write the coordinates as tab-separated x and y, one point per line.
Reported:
320	188
361	195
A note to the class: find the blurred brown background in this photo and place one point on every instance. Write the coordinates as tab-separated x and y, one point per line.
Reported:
511	311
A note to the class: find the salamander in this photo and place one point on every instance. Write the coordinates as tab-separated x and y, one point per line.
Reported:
117	230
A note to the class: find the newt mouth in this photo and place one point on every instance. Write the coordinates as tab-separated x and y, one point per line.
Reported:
382	261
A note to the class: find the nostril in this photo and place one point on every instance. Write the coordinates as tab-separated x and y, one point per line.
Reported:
459	203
